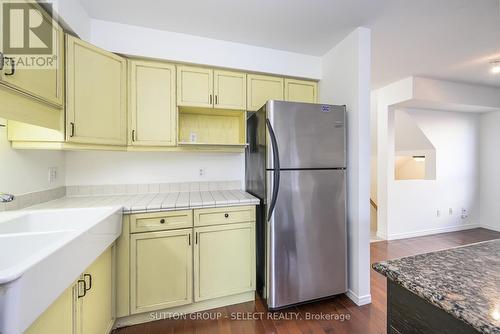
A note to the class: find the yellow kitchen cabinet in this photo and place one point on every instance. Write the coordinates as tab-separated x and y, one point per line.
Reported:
95	94
152	109
230	90
86	307
160	270
224	260
301	91
46	82
95	306
261	88
58	318
194	86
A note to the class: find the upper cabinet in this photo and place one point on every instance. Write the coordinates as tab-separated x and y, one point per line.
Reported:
262	88
95	94
152	109
43	76
204	87
301	91
230	90
31	75
194	86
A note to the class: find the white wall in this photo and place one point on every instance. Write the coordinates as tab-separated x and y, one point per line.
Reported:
346	80
73	17
146	42
27	171
490	175
413	204
96	167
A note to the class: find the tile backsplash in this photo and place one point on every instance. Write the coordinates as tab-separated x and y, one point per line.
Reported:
150	188
29	199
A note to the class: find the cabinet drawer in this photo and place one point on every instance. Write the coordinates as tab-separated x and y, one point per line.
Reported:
225	215
158	221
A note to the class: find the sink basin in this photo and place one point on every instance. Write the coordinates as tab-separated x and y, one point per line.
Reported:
48	220
14	255
42	252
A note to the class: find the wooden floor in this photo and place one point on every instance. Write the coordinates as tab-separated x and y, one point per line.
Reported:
363	320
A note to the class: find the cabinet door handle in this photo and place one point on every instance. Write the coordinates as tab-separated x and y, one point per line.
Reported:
189	239
226	215
72	128
210	98
2	59
162	221
78	283
196	238
89	276
216	99
133	135
13	67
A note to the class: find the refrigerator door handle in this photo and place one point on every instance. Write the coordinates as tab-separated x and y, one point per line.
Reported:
276	167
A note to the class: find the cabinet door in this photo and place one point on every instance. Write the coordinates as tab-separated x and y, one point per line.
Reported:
224	260
194	86
230	90
152	103
262	88
301	91
45	83
95	309
58	318
95	94
160	270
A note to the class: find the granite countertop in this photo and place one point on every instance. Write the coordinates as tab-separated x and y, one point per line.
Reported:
463	281
153	202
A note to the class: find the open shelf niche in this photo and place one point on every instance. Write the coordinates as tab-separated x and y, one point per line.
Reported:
211	127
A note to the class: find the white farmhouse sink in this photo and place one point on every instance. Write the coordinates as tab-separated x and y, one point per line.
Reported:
42	252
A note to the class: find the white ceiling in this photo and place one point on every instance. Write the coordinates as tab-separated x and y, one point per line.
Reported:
448	39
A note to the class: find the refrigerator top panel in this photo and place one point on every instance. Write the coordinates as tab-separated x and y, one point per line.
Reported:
308	135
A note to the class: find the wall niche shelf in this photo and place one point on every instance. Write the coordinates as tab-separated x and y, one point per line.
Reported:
211	127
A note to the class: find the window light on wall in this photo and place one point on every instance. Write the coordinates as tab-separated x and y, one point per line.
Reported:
495	66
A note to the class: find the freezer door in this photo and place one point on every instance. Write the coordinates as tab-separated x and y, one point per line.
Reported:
308	135
307	237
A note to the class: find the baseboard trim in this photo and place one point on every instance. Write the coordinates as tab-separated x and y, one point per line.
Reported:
359	300
205	305
489	227
421	233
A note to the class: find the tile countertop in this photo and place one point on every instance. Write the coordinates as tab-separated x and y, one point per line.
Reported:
153	202
463	281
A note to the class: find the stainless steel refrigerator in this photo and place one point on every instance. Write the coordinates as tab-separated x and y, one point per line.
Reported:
296	165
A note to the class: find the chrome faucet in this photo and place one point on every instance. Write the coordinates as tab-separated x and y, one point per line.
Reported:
4	198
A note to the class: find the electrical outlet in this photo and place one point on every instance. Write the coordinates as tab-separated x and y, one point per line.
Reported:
438	213
450	211
202	172
465	214
52	174
193	137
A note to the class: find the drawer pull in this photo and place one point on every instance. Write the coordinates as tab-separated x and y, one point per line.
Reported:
226	215
162	221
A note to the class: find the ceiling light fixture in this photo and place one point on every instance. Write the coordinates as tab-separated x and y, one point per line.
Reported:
419	158
495	66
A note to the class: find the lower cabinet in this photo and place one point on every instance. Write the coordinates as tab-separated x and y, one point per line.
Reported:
224	260
86	307
58	318
185	261
161	270
94	307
